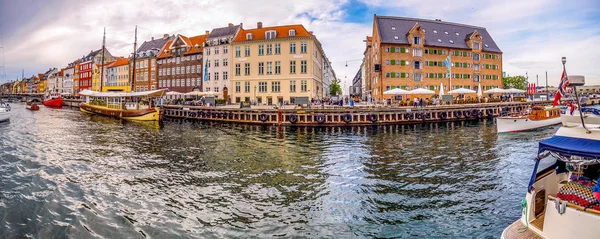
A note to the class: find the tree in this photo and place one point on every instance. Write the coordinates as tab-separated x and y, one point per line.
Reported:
517	82
335	88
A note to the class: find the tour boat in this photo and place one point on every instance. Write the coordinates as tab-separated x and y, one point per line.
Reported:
4	111
53	100
560	201
32	106
124	105
537	118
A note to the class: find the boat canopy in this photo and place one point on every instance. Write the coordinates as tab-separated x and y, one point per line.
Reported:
569	146
152	93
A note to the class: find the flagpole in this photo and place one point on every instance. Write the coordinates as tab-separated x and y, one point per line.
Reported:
564	60
547	94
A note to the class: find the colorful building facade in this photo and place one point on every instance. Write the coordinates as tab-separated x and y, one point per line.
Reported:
217	57
117	78
146	70
180	64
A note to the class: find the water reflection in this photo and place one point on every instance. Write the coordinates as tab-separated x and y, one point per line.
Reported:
68	174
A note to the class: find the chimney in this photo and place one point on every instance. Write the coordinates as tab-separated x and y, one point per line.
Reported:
166	36
207	32
153	38
241	24
259	25
230	25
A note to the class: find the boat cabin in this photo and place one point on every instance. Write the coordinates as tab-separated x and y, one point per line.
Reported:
542	113
123	101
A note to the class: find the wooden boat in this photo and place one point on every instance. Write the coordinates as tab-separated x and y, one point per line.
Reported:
54	100
4	111
559	202
537	117
32	106
124	105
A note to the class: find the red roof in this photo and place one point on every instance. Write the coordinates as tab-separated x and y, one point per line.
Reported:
118	62
191	42
282	32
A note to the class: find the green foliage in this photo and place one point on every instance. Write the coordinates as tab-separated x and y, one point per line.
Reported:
517	82
221	101
335	88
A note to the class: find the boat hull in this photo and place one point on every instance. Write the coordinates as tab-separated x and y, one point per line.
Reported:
516	124
150	114
4	115
56	102
32	107
568	119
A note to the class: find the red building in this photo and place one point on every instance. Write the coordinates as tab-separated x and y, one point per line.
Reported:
85	76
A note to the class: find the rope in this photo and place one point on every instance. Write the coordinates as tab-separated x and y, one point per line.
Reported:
524	209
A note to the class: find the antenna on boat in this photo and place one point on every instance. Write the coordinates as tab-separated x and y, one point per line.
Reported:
134	56
102	62
579	80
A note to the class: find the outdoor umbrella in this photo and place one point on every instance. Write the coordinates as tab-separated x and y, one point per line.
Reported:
174	93
461	91
495	91
513	90
441	89
479	94
422	91
396	91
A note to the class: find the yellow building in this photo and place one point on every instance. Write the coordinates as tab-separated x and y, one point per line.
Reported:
95	78
275	65
117	76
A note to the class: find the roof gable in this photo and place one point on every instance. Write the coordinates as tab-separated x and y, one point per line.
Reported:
223	32
282	32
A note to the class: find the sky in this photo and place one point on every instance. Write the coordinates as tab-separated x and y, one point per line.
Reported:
533	34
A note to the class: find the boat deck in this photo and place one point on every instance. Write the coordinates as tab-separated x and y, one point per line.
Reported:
513	232
539	222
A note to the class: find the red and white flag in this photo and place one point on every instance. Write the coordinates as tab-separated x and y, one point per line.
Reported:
562	86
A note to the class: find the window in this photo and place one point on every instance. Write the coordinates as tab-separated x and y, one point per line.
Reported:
269	49
216	50
277	48
237	51
225	62
275	86
225	75
237	69
476	67
270	35
417	52
216	75
277	67
238	87
262	86
303	47
249	36
246	86
475	56
303	86
225	50
208	76
292	48
198	68
261	49
476	45
417	76
292	33
292	67
269	68
216	89
217	63
247	51
292	86
246	69
417	40
261	68
303	67
417	65
476	78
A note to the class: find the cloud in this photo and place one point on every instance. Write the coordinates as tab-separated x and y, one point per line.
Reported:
532	34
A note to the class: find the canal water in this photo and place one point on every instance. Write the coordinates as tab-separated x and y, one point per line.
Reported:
64	174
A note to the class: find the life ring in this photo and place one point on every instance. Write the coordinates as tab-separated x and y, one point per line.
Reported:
443	115
293	118
408	116
373	118
519	108
263	117
489	112
347	118
230	115
320	118
458	114
475	113
428	115
467	114
419	115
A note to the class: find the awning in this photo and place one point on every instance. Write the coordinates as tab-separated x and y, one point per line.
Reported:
152	93
582	147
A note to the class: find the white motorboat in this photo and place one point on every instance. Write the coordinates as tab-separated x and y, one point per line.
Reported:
4	111
590	116
560	202
538	117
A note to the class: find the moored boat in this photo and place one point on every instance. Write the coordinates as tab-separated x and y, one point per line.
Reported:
590	116
537	117
4	111
32	106
124	105
53	100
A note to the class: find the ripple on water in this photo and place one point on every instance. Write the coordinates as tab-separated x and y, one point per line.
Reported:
67	174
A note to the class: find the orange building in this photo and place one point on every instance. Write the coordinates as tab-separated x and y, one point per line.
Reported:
409	53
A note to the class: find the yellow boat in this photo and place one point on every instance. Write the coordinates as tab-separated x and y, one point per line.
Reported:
139	106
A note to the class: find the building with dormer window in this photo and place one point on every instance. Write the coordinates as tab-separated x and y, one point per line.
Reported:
408	53
180	64
271	65
146	70
217	52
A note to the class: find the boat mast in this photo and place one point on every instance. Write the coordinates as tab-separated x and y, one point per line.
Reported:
134	56
102	63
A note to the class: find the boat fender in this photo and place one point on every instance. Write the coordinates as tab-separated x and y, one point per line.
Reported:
428	115
519	108
475	113
347	118
263	117
192	114
373	118
408	116
419	115
320	118
458	114
200	113
443	115
230	115
489	112
467	114
293	118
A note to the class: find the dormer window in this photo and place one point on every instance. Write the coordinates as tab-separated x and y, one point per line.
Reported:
417	40
249	36
272	34
393	28
476	45
396	38
292	33
197	46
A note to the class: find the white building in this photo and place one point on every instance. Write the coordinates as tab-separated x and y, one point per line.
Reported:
67	79
216	51
52	80
328	76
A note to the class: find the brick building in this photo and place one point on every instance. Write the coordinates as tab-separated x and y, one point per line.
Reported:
180	64
146	73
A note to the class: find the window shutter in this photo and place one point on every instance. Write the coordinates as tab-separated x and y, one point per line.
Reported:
403	75
456	64
402	62
393	49
440	75
393	74
393	62
430	75
402	50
